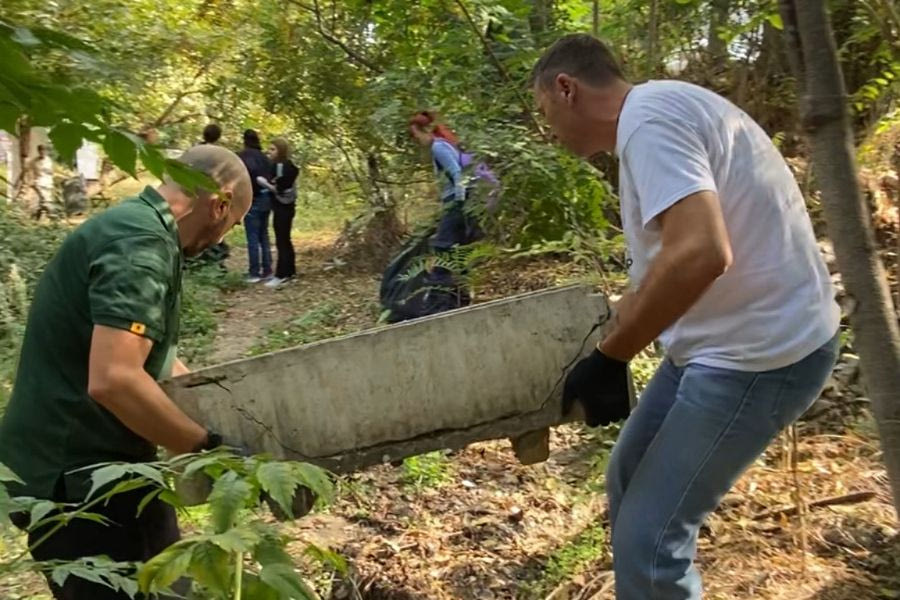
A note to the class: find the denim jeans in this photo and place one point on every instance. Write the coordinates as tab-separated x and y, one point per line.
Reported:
256	226
693	433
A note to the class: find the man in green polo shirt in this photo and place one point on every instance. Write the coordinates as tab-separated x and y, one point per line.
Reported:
101	332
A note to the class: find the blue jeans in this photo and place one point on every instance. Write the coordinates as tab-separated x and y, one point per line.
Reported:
256	226
693	433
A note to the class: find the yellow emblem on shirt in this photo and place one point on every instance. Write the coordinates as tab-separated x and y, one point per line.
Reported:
138	328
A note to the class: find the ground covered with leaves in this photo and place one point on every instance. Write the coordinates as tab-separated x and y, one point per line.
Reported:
475	524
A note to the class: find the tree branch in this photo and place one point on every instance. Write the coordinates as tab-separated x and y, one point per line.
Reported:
160	120
330	37
525	104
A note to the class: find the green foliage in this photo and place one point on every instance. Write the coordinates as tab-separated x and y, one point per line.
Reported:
569	560
235	550
25	250
72	112
100	570
428	470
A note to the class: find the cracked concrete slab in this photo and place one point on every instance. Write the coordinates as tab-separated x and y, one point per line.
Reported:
488	371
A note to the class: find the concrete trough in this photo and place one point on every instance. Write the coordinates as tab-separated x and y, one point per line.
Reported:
493	370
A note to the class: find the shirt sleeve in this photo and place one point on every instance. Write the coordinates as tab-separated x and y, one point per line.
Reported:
667	161
128	286
447	159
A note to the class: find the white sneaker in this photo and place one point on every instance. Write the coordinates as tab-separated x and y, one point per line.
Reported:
252	279
276	282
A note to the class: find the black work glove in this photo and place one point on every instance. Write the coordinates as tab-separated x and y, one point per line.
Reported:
600	383
215	440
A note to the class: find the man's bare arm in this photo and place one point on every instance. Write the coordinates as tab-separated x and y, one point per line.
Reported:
695	251
117	381
179	368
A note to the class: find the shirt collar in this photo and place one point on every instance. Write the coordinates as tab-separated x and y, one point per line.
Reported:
158	203
625	127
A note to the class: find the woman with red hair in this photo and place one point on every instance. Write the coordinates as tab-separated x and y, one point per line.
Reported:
448	168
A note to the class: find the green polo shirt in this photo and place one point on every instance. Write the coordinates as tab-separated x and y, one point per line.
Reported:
120	269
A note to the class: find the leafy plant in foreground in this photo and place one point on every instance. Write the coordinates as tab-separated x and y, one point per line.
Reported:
236	554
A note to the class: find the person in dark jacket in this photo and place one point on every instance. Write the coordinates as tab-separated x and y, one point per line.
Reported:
212	133
256	223
282	186
217	253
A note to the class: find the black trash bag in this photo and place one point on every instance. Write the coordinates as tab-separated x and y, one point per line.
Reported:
409	291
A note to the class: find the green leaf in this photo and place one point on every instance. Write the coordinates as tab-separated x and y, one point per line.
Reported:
9	116
104	476
6	506
211	567
153	160
165	568
148	499
88	516
121	150
278	479
171	498
24	37
148	472
58	39
254	589
236	539
229	495
190	179
285	579
6	475
85	106
202	461
81	571
271	551
775	21
13	60
39	511
67	139
316	479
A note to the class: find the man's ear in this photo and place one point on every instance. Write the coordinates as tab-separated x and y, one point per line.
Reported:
565	87
221	203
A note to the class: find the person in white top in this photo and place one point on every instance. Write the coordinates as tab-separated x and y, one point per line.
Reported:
42	174
725	272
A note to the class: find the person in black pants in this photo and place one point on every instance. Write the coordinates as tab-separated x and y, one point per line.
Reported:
282	184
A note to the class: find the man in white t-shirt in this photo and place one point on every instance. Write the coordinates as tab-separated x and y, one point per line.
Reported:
725	272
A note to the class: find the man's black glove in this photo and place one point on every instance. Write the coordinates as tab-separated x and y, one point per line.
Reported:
215	440
600	383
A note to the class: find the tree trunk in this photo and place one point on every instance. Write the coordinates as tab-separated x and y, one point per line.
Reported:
595	29
825	117
540	19
715	45
652	41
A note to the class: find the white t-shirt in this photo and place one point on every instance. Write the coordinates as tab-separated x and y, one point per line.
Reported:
775	304
44	172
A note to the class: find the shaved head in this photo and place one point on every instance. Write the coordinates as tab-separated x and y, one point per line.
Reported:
205	217
225	168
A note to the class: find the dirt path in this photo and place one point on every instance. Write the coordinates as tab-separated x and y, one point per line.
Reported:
251	312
